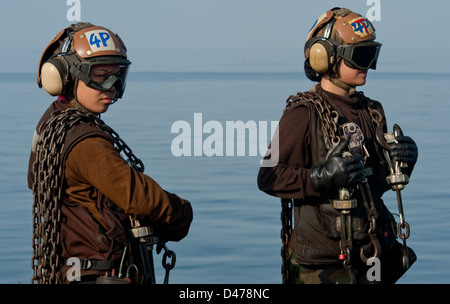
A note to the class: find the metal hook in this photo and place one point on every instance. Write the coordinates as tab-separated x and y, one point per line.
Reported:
374	241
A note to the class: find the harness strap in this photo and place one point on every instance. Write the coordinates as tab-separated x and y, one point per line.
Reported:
90	264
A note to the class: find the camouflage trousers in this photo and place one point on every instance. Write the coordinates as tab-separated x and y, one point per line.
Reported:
324	274
391	270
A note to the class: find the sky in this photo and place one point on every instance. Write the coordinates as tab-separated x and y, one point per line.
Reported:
227	35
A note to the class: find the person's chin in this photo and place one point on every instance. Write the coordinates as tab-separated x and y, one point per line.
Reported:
106	103
362	80
104	109
101	108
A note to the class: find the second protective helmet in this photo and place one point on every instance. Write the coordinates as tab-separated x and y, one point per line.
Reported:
341	33
72	53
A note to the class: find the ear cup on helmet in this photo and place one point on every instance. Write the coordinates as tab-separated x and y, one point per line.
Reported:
321	56
54	76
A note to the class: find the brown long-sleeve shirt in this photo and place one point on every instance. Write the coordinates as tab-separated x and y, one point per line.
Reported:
94	165
290	178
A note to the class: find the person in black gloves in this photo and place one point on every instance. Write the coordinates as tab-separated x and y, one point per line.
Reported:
338	171
404	149
332	163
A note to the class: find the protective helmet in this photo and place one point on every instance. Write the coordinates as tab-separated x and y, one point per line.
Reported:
341	33
72	53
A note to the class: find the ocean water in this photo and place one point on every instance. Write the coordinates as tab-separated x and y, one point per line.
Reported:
235	235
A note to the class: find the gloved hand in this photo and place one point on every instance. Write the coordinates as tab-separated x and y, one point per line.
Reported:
405	150
338	171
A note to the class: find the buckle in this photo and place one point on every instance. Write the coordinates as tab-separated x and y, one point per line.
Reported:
85	263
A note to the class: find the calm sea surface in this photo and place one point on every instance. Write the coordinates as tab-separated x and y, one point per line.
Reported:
235	234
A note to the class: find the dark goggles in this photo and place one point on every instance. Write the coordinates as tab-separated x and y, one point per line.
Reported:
362	56
118	79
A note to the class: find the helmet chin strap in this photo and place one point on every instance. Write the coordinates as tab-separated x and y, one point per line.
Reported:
350	89
74	102
333	75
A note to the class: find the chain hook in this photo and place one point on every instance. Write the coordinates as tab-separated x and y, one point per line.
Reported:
374	241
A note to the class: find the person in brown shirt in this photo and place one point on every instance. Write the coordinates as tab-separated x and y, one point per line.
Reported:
102	195
338	222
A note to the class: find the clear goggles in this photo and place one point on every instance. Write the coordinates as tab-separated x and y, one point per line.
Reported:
116	79
362	56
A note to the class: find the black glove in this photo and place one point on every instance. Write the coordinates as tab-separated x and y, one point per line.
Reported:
338	171
405	150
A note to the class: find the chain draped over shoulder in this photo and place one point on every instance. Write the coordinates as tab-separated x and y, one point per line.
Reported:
329	117
47	185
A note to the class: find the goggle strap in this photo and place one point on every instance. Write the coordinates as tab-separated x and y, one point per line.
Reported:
73	62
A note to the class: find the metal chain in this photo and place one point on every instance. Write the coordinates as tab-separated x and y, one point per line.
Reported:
286	232
377	119
402	235
380	136
328	117
168	254
47	190
329	120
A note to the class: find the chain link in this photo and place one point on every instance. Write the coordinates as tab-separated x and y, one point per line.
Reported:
328	117
47	187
